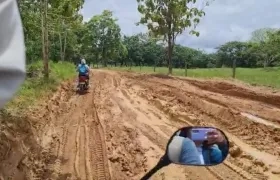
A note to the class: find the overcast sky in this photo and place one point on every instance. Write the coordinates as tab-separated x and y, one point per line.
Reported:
225	20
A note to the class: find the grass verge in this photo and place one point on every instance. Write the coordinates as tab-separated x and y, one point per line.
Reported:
36	86
255	76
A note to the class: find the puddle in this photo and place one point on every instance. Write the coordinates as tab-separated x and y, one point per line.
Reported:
260	120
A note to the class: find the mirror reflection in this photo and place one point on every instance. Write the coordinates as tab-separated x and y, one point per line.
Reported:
198	146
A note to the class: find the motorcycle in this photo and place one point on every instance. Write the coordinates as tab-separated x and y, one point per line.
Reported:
83	83
193	146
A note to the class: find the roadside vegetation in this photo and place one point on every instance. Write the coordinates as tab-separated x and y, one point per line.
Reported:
64	37
36	86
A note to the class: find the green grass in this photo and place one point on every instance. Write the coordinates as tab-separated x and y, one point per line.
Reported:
255	76
36	87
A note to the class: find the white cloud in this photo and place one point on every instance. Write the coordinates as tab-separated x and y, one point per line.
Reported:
225	20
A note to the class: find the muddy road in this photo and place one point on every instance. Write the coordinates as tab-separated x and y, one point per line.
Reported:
119	129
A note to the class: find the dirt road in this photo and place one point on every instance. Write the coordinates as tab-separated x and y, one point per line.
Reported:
119	129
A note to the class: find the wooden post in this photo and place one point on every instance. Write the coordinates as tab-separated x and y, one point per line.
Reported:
233	67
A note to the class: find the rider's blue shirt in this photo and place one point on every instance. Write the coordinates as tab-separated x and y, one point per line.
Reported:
189	153
211	155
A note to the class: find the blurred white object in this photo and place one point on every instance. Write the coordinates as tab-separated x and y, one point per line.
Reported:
12	50
175	148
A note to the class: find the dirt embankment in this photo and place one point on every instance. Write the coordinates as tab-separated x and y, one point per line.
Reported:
237	91
119	130
22	153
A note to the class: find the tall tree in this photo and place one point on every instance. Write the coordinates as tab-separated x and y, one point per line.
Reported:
169	18
104	36
261	35
232	51
45	39
268	51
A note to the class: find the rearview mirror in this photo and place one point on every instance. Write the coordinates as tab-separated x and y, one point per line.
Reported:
203	146
194	146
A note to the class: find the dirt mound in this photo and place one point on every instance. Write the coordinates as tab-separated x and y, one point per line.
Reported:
234	90
163	76
125	153
18	148
21	153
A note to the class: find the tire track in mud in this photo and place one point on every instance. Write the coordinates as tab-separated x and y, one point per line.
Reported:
125	153
99	166
77	151
88	155
97	144
77	155
62	126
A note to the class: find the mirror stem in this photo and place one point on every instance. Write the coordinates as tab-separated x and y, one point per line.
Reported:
164	161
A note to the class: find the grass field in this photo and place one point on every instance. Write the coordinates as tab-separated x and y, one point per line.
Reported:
257	76
37	87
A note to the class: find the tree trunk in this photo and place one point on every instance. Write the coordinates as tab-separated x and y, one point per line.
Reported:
64	48
233	68
169	54
155	65
44	6
47	40
43	30
60	42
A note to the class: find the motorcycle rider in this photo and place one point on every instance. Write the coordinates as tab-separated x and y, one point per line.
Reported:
83	69
215	150
12	51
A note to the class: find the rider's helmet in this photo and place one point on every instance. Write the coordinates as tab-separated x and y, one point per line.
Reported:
83	61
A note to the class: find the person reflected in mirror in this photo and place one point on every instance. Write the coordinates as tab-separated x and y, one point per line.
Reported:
215	149
211	151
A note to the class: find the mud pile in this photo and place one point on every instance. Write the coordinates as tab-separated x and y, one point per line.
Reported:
17	143
21	153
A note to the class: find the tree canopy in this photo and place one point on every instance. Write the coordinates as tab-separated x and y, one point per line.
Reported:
168	19
68	38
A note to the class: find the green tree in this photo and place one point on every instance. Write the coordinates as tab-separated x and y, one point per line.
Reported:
232	52
50	29
261	35
168	19
268	51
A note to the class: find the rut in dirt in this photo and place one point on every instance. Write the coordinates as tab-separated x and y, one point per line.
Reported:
78	145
